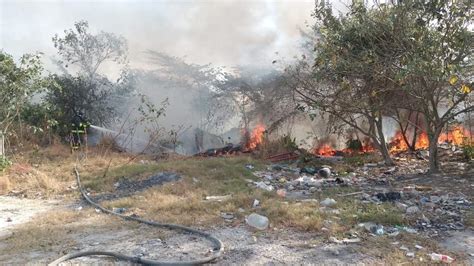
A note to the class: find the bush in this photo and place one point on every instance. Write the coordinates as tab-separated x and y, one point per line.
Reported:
4	162
468	151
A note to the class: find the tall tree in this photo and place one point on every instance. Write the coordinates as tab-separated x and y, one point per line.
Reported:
18	83
86	90
87	51
436	66
351	74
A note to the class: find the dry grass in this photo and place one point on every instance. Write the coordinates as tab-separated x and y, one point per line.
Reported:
224	176
48	171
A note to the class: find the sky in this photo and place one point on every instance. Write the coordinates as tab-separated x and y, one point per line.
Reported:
221	32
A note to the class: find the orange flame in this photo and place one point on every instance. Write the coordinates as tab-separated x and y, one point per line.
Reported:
456	136
325	150
256	137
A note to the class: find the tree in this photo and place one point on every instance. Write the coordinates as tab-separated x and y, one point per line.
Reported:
88	51
18	83
436	67
351	75
88	91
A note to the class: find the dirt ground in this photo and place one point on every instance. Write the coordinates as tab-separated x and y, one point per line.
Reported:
242	246
38	231
93	231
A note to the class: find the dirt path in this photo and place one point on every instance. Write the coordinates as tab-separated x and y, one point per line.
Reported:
16	211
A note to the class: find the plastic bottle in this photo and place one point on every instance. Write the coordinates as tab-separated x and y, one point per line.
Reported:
441	257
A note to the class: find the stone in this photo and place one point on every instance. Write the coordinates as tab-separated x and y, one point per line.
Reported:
412	210
328	202
257	221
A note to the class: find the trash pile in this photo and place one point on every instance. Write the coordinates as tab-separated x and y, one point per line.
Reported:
430	210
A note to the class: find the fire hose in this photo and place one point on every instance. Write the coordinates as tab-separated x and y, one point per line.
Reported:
217	251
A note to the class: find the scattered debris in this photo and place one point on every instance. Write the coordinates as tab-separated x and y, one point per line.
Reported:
441	258
328	202
257	221
256	203
9	220
281	193
264	186
412	210
227	215
389	196
410	254
249	166
218	198
119	210
324	172
283	157
344	240
373	228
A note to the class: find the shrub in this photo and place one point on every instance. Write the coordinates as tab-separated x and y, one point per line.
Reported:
4	162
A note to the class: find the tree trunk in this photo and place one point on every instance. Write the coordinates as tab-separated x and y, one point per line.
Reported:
382	144
433	136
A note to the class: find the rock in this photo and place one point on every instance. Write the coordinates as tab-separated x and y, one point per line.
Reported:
324	172
257	221
9	220
328	202
412	210
410	254
313	189
241	210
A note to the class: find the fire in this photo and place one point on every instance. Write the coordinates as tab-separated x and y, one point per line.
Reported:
455	136
367	148
325	150
256	137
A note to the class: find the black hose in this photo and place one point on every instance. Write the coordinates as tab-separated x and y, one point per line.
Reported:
217	251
